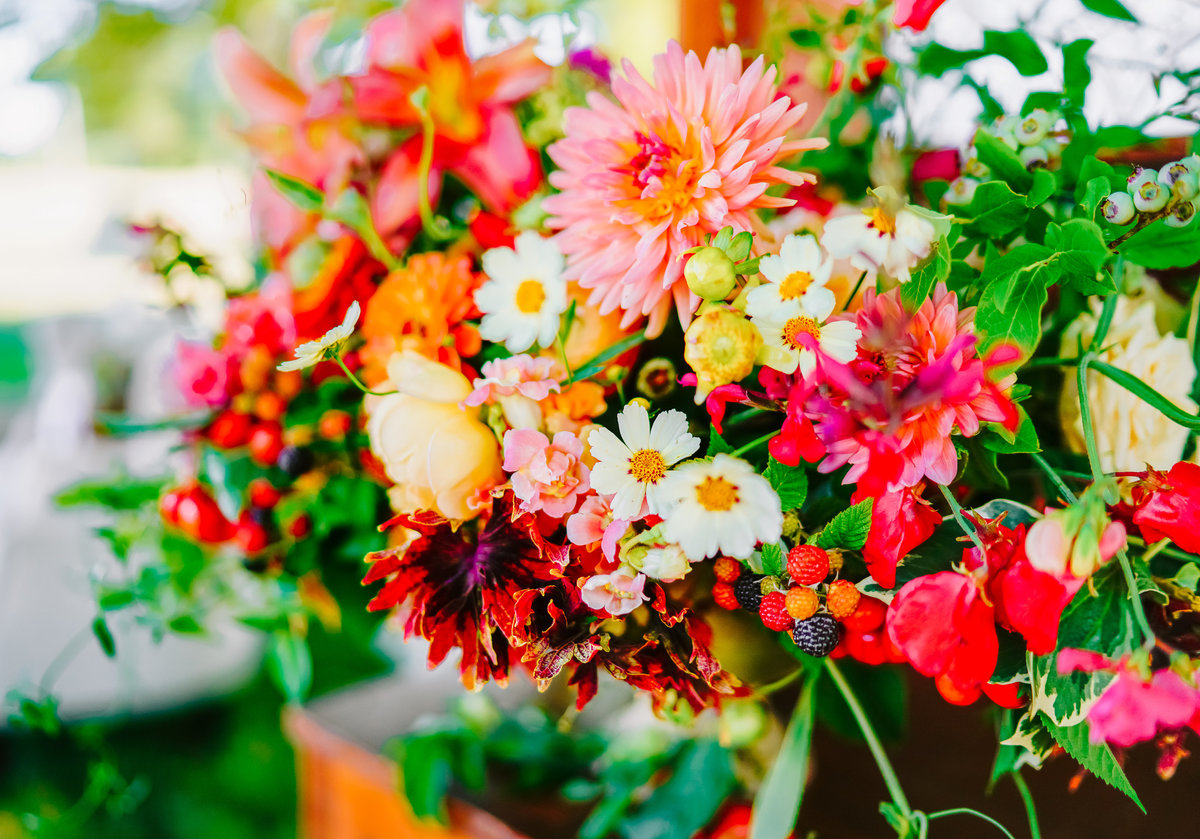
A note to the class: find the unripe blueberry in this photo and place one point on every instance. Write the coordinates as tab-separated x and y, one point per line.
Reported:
1178	178
1183	214
1006	131
1034	157
1150	197
709	274
1118	208
1141	176
1032	129
961	191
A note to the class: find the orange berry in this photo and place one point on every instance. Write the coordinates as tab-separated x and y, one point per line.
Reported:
842	598
289	384
727	569
269	406
724	596
802	603
334	425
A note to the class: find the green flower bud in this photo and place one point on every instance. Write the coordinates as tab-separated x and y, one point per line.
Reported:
709	274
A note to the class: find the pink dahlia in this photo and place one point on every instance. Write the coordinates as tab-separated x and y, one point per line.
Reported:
643	179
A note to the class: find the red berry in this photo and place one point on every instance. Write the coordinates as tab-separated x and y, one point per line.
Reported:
300	527
869	647
250	536
842	598
802	602
168	505
724	596
262	493
807	564
269	406
868	616
727	569
229	430
201	518
334	425
773	612
266	442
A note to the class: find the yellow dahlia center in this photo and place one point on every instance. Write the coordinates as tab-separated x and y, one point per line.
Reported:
795	284
530	297
881	221
794	328
716	495
647	466
663	176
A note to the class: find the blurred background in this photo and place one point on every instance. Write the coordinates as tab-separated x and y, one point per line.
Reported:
112	114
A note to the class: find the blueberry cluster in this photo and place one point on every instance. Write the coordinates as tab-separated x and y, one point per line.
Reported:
1033	137
1171	193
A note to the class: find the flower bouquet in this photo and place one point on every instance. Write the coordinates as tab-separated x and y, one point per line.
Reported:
681	377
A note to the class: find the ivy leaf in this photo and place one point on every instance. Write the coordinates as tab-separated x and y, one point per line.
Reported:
1081	254
777	803
789	482
1109	8
849	528
1095	758
303	195
995	209
1160	247
1003	161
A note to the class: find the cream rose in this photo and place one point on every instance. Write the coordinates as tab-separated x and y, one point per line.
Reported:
439	453
1129	433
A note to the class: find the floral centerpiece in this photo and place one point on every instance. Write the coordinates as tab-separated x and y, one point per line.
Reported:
624	365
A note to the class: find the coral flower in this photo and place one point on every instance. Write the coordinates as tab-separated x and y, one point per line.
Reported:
644	179
547	475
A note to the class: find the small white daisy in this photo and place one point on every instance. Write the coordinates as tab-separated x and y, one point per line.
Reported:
525	293
796	281
314	352
785	350
720	506
631	468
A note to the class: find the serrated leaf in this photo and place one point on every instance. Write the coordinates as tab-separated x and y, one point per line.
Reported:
302	195
1002	161
717	445
1066	698
777	803
995	209
789	482
849	529
925	277
1095	758
772	560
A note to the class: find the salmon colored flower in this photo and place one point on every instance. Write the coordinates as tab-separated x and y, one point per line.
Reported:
644	179
548	476
203	375
424	307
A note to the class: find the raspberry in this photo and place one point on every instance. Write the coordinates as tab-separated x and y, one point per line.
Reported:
727	569
773	611
816	636
807	564
724	596
748	590
842	598
868	616
802	603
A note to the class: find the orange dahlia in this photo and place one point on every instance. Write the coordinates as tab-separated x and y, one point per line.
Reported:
422	307
643	179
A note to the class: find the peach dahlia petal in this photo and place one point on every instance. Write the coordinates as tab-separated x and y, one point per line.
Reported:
645	178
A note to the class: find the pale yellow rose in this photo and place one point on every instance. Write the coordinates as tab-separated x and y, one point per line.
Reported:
1129	433
439	453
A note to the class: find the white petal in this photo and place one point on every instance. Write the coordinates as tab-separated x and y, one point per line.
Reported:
634	423
501	263
627	503
668	427
816	300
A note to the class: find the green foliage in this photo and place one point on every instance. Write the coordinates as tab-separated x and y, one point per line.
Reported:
304	196
120	493
1097	759
995	210
602	359
1081	252
1003	161
849	529
1109	8
778	801
1161	247
925	277
1017	47
717	445
772	559
289	664
790	482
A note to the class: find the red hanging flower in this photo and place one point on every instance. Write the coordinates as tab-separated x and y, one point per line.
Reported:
900	521
1168	506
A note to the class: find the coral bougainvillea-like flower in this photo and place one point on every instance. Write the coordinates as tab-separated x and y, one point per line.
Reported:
459	587
1168	506
525	293
644	179
722	506
631	468
202	375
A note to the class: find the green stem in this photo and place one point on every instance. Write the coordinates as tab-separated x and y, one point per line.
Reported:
779	684
868	731
754	444
1062	488
957	511
967	811
1035	832
357	382
1085	413
435	228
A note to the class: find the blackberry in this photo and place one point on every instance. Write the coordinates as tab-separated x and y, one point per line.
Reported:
816	636
295	461
748	591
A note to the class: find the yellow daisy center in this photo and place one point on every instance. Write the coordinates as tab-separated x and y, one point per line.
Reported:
795	284
794	328
716	495
530	297
881	221
647	466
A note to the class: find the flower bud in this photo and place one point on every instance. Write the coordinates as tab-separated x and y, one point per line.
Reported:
1182	214
1118	208
1150	197
1033	129
1034	157
709	274
656	379
720	346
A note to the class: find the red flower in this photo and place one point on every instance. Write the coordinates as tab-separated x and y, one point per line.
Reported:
1168	506
915	14
900	521
940	165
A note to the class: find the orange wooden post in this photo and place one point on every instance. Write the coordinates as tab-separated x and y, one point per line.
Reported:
701	26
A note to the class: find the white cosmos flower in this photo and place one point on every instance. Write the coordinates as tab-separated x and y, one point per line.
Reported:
722	507
632	467
313	352
786	350
524	295
892	237
796	281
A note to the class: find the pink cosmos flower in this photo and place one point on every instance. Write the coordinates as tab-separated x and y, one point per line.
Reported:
524	375
593	523
618	594
202	374
1132	708
548	477
643	179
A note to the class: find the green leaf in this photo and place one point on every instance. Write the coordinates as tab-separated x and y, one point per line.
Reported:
789	482
1024	441
772	559
995	209
739	248
426	764
117	494
1044	186
702	779
600	361
1002	161
1065	698
1076	73
120	425
1095	758
303	195
717	445
112	599
1081	254
849	528
1109	8
289	663
104	636
777	803
1160	247
925	277
1017	47
1010	310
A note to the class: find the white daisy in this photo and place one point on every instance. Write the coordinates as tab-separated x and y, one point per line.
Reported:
525	293
314	352
796	281
722	507
893	236
786	350
632	467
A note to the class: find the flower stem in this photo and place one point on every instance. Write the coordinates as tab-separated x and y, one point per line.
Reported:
357	382
779	684
753	444
1035	832
967	811
1062	488
435	228
957	511
868	731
